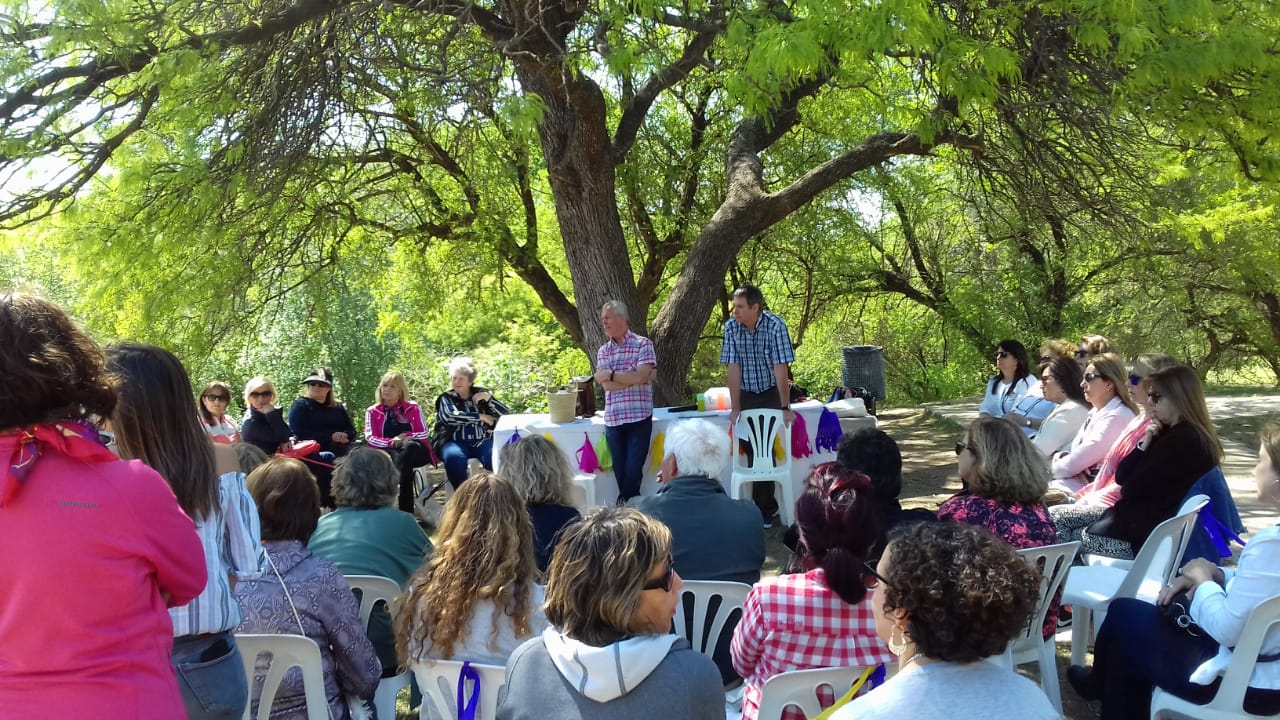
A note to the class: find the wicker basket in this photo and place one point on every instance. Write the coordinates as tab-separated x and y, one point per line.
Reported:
561	403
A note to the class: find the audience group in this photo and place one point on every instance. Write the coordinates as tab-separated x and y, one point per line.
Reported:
118	479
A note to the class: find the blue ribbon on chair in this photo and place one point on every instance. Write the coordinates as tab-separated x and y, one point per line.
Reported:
467	709
1220	535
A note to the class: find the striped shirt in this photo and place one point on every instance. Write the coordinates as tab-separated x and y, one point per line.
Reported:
634	403
231	537
757	351
463	416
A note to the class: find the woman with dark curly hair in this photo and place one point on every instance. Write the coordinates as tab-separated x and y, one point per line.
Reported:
816	618
95	549
947	597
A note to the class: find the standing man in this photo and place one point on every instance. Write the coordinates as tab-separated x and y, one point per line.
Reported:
757	349
625	368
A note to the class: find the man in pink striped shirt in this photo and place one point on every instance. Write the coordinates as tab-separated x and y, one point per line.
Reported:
625	368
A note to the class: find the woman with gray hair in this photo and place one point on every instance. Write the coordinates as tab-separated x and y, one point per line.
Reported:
609	653
368	535
540	472
465	417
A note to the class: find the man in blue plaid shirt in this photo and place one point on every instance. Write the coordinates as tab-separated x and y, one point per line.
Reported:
757	349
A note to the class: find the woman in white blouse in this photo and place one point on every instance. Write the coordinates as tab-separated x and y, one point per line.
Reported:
1138	650
1105	387
1061	384
1011	384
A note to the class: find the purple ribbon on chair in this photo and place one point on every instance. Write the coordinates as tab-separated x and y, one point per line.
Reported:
467	709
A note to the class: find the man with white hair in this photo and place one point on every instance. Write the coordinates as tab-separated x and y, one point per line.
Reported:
713	537
625	368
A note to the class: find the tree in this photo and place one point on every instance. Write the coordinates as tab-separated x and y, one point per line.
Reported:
314	128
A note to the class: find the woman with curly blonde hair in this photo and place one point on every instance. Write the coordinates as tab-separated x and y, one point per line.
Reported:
476	598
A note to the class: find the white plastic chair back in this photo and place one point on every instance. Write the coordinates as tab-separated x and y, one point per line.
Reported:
374	589
583	490
799	689
1228	703
286	651
438	681
761	428
1053	562
705	629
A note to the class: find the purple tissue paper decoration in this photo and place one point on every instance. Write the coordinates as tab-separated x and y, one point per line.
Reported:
587	461
829	432
515	437
800	438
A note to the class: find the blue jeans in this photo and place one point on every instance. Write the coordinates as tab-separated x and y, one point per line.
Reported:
455	454
628	446
211	676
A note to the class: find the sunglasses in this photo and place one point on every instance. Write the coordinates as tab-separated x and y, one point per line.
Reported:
873	578
217	398
1002	354
262	393
1134	378
962	446
1155	397
1090	377
662	583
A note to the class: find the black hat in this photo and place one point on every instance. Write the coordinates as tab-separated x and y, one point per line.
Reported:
320	374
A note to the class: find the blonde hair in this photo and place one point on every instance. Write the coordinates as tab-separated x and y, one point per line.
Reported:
598	571
393	380
1180	386
1270	439
255	383
538	470
1108	365
484	552
1006	465
1096	345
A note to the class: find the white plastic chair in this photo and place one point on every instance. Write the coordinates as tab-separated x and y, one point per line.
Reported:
286	651
799	689
1228	703
706	629
1053	562
760	428
438	681
374	589
584	492
1089	590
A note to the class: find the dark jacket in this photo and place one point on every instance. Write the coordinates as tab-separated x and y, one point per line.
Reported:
548	521
309	420
713	537
266	431
1154	482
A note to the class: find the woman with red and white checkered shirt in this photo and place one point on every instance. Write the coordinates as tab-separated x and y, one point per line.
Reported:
822	617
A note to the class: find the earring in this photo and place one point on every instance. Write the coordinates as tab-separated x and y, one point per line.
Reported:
897	640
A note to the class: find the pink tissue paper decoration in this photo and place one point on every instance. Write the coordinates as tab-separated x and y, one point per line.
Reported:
829	432
799	438
587	461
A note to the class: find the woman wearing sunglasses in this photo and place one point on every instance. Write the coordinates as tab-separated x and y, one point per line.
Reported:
214	401
263	424
819	617
1106	389
609	653
1012	382
318	416
949	596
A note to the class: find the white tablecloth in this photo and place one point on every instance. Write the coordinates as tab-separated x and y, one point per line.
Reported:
570	436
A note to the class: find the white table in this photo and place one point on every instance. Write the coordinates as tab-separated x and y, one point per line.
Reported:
570	436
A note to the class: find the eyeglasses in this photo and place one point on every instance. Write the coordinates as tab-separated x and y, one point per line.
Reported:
262	393
217	398
1046	358
873	578
663	583
1002	354
1134	378
1155	397
1090	377
962	446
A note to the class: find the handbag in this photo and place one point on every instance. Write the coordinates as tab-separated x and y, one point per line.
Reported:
1178	614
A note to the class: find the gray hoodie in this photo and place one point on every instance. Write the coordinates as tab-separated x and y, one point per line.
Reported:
556	677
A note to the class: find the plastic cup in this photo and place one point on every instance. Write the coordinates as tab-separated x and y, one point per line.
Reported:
702	401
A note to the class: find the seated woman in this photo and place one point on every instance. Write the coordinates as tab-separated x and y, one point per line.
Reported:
541	474
367	535
1012	381
609	652
319	417
96	549
818	618
948	596
263	424
1137	650
214	399
465	418
1091	346
301	594
1006	478
1180	446
873	453
477	597
1107	392
1061	384
393	424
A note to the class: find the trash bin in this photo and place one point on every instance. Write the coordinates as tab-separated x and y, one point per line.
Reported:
863	366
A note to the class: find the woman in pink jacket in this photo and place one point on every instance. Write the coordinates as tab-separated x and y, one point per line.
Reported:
94	549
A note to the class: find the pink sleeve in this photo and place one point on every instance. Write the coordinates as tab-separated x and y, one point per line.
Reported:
415	422
370	435
174	547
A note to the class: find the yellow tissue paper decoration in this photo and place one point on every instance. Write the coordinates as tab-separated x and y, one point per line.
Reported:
656	453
